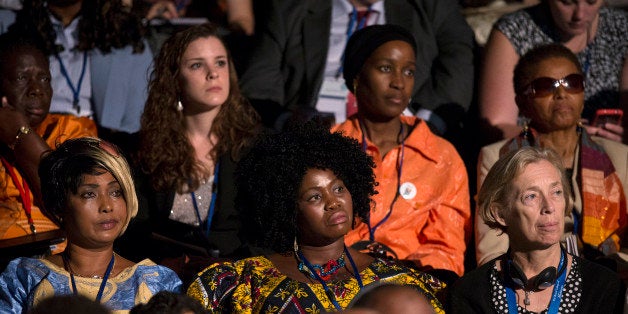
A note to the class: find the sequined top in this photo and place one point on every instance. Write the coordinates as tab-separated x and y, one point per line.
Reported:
255	285
183	207
26	281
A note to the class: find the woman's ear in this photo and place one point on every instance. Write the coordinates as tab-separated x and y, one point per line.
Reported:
498	213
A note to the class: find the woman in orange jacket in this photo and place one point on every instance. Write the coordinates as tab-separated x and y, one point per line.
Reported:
422	210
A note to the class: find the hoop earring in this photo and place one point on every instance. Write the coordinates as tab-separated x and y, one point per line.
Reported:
179	105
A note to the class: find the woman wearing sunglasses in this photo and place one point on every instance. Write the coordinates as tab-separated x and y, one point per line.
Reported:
549	88
593	31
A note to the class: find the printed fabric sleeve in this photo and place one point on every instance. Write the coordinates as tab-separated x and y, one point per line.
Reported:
214	288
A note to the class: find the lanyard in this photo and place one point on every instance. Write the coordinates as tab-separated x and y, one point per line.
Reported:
25	193
557	292
102	284
212	204
75	90
399	168
352	20
328	291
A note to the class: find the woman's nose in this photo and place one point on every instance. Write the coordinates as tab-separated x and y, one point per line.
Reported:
332	203
212	74
548	205
397	80
105	206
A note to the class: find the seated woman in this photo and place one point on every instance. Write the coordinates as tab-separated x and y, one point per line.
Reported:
88	191
593	31
527	196
194	128
418	216
550	88
301	192
27	130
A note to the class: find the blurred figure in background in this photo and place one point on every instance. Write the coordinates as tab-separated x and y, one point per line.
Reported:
99	61
166	302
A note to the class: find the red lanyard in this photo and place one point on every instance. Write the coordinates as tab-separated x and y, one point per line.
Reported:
25	193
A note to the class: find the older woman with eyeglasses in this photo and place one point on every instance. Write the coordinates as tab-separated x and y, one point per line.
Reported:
549	88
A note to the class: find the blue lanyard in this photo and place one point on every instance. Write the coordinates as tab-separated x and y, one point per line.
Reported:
399	168
102	284
75	90
330	294
557	293
212	203
361	23
576	222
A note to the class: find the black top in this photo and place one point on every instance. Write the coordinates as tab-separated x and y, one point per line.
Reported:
602	290
153	235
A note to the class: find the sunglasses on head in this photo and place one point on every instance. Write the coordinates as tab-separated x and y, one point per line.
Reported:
544	86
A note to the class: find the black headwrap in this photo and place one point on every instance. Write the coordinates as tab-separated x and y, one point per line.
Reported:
362	44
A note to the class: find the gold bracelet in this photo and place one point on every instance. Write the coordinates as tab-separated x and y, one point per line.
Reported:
24	130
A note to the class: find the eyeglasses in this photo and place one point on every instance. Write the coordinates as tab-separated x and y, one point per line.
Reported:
544	86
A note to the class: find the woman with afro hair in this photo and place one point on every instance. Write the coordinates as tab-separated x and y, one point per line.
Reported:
300	192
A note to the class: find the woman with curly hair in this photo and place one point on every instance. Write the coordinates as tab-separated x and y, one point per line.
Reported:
99	60
301	192
194	128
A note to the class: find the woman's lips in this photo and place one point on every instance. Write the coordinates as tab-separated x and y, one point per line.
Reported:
338	218
35	111
550	226
108	224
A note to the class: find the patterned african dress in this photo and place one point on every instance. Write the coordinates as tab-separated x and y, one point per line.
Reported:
26	281
255	285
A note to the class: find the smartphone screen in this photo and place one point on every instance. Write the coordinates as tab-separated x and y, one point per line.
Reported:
603	116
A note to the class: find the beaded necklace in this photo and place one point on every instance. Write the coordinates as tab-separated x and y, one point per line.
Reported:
301	258
324	271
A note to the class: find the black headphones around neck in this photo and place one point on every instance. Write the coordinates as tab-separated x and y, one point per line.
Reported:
545	279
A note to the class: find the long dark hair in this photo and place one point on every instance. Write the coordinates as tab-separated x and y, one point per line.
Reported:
104	24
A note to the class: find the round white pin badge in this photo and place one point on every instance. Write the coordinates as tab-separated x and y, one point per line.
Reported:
407	190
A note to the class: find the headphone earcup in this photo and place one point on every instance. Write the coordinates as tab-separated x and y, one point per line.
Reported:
545	279
516	274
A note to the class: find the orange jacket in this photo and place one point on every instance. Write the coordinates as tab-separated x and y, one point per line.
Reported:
54	129
430	227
